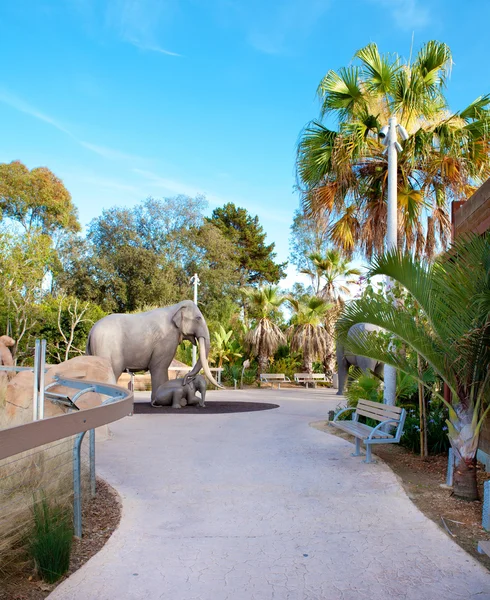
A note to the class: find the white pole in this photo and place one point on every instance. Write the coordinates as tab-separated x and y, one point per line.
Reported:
389	394
35	388
42	367
196	281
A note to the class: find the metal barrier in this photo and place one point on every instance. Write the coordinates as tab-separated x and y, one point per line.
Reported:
76	422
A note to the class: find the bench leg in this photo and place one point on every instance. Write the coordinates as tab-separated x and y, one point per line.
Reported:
358	448
369	455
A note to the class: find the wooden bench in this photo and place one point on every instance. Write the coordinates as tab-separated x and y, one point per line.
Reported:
307	378
385	414
273	378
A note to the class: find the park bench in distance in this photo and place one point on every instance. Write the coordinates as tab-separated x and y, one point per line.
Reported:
385	414
273	378
308	378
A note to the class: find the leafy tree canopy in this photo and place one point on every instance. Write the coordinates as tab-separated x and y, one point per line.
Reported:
255	257
36	199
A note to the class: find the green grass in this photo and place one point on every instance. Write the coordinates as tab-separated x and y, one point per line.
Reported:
51	540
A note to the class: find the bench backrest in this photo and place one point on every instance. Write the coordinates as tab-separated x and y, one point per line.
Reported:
309	376
377	411
272	376
383	412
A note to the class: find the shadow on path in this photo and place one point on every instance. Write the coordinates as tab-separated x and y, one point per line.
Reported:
211	408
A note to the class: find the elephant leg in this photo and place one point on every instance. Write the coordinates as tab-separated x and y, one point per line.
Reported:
162	398
177	398
343	374
159	375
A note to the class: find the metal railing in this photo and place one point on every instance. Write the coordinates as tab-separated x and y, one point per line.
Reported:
42	431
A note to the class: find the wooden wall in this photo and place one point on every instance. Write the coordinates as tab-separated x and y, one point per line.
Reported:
474	216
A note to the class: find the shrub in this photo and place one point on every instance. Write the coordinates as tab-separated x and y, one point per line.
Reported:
437	439
51	540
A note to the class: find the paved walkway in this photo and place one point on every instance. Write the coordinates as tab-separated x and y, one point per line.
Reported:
260	506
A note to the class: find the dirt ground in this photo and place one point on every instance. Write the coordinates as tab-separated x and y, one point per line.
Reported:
101	516
459	519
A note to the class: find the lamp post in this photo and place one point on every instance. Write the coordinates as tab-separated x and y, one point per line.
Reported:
196	281
388	136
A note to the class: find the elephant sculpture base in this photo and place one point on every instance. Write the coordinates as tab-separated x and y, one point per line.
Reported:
181	392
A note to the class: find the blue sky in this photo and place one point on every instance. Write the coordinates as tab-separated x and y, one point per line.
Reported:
124	99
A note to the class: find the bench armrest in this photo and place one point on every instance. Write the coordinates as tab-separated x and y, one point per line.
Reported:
343	411
381	425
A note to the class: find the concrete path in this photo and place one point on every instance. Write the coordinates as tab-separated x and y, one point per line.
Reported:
260	506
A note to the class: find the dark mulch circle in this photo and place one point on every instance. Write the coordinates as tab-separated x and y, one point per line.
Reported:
211	408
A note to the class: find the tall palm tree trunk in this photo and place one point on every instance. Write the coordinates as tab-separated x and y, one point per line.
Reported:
263	361
307	361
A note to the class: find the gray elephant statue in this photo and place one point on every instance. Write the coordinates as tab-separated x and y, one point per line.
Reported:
345	359
177	393
149	340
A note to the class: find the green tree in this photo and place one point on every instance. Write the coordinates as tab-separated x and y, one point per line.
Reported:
224	347
307	332
308	235
343	171
255	258
145	256
331	274
265	338
453	336
36	199
64	322
25	262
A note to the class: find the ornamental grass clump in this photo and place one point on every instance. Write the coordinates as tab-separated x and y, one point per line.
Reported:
51	540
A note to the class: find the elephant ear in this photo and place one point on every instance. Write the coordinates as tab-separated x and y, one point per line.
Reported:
178	318
7	340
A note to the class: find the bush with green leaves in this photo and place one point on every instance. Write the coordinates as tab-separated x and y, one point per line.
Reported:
51	539
437	439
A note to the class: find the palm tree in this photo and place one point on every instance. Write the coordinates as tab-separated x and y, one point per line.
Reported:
342	172
452	335
266	337
307	331
335	274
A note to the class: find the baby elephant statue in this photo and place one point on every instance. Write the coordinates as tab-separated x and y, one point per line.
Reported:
179	392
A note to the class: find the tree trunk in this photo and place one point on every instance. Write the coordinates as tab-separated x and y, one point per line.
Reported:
307	362
465	485
424	450
262	360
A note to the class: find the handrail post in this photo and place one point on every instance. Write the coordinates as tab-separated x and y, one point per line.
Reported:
92	461
77	485
35	390
41	370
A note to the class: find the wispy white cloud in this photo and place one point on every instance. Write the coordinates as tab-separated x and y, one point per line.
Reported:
141	22
151	48
274	27
407	14
179	187
173	186
22	106
109	153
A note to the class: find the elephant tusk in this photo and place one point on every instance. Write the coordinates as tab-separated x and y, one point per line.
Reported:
205	366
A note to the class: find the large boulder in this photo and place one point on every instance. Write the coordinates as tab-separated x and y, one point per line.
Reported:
18	401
